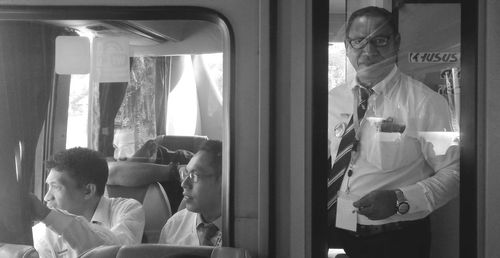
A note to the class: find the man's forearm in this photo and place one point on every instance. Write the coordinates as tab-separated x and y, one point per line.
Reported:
75	230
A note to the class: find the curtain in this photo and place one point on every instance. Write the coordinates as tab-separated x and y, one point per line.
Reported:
182	107
210	100
194	100
26	83
161	93
110	99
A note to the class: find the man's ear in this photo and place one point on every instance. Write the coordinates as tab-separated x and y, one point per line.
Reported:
90	190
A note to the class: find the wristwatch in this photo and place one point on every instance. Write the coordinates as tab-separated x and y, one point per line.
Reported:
402	205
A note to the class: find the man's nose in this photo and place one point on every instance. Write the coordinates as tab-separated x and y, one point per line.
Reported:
186	183
370	48
48	196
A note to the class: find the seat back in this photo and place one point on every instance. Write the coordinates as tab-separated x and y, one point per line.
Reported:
155	203
175	142
17	251
165	251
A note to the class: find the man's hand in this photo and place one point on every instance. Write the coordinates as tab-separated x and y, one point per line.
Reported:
376	205
38	210
145	153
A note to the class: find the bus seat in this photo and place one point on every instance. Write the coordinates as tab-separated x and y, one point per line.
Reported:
165	251
17	251
175	142
155	203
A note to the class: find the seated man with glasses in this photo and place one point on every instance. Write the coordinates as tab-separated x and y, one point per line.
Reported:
199	224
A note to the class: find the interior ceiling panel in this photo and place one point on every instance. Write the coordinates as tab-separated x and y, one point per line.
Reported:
140	33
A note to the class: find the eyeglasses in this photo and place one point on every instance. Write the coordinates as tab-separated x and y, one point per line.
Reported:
377	41
193	176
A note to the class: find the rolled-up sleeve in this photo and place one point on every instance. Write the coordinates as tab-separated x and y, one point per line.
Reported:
126	227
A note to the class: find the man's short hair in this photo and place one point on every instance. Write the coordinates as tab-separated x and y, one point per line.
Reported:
83	165
214	150
372	11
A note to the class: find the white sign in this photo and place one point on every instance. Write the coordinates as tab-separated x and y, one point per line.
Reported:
72	55
433	57
111	59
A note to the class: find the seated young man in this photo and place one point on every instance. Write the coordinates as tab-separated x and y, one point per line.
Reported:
200	222
77	216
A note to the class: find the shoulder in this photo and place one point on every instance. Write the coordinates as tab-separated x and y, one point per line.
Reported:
417	86
125	205
118	202
179	229
43	236
182	218
421	92
340	99
341	93
39	231
182	215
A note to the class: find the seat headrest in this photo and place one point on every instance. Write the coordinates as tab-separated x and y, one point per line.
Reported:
165	251
149	251
21	251
174	142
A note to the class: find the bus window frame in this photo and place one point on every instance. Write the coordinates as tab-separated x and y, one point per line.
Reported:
470	160
38	13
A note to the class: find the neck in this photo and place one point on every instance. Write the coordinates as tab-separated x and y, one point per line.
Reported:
370	80
90	208
370	76
210	216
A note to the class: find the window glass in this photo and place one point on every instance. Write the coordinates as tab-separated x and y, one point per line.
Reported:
78	111
406	134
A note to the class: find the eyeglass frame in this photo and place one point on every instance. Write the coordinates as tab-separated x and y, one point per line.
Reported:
369	39
192	175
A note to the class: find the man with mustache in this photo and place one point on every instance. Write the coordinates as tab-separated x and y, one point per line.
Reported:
199	224
385	179
78	217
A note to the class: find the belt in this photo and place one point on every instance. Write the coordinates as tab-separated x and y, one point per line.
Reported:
370	230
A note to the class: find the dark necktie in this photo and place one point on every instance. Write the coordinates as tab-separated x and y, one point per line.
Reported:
343	158
206	231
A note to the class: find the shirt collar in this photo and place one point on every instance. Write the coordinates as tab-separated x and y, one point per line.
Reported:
101	213
382	85
217	222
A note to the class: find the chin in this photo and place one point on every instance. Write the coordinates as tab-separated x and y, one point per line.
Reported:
192	208
378	70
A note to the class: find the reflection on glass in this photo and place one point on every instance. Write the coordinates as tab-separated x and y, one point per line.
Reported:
393	126
170	105
174	88
122	107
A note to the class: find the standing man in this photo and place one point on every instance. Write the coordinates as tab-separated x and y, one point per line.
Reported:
385	179
78	217
200	222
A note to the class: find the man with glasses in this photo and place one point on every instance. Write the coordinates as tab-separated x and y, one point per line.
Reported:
200	222
384	178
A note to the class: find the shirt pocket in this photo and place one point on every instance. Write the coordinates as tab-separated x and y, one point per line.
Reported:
391	150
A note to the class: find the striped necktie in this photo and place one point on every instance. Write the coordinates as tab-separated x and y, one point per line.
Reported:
343	158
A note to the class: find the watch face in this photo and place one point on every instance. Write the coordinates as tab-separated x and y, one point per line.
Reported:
403	207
